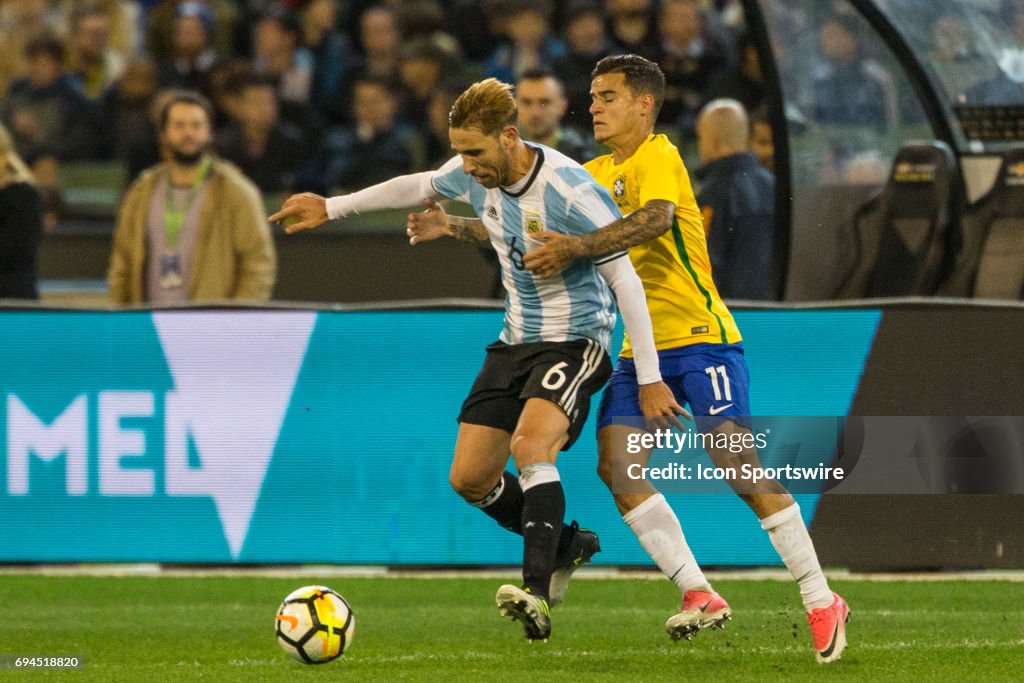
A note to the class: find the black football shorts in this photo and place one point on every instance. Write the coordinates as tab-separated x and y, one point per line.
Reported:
565	373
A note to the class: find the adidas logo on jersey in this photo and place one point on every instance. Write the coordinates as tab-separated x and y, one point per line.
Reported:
492	213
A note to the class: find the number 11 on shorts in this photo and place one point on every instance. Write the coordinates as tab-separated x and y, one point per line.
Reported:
716	371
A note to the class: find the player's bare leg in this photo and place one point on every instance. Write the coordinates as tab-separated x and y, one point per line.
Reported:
478	474
779	513
480	456
657	528
541	431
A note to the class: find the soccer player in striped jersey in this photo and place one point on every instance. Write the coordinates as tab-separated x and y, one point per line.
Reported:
698	343
532	395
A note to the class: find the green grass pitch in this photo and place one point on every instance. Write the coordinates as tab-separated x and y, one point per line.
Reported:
215	628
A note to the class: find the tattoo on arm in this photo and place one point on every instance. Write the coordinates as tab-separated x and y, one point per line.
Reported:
470	230
643	225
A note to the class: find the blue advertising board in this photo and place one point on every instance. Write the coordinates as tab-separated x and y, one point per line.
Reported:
286	436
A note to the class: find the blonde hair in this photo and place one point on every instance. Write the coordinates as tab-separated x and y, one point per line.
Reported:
487	106
14	168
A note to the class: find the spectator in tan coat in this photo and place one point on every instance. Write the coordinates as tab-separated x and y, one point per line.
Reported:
192	227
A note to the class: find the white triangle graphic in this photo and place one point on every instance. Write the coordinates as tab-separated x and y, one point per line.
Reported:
234	374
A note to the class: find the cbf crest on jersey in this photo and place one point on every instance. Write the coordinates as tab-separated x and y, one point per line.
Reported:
534	222
619	187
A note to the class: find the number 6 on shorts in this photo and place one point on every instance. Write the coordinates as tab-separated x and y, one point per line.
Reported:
554	378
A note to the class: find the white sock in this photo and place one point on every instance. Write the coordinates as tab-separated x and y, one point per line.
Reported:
657	528
793	544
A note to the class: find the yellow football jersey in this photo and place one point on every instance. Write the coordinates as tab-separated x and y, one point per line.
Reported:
674	267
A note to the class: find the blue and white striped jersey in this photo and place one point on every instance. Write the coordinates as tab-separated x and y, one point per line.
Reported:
558	196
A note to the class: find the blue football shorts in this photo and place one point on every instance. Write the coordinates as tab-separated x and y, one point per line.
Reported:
712	379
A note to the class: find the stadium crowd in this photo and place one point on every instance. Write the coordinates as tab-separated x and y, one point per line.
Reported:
325	95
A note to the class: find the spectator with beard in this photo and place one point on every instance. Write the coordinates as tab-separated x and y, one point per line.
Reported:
192	227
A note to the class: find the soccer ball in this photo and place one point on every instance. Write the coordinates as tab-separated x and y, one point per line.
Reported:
314	625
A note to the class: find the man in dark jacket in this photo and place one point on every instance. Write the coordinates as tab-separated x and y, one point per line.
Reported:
737	200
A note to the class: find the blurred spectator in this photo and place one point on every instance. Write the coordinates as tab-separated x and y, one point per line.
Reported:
191	54
21	224
20	22
744	81
329	49
632	27
192	228
762	139
1011	57
226	81
146	149
951	42
737	200
848	87
438	146
279	55
542	104
124	19
587	43
725	20
91	57
220	19
474	30
419	17
424	62
1006	86
377	146
530	42
380	38
44	110
690	58
125	108
267	150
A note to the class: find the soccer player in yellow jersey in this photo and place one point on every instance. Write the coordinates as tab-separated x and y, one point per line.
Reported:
699	347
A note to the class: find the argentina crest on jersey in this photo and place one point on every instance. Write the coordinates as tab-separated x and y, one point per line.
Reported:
533	221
